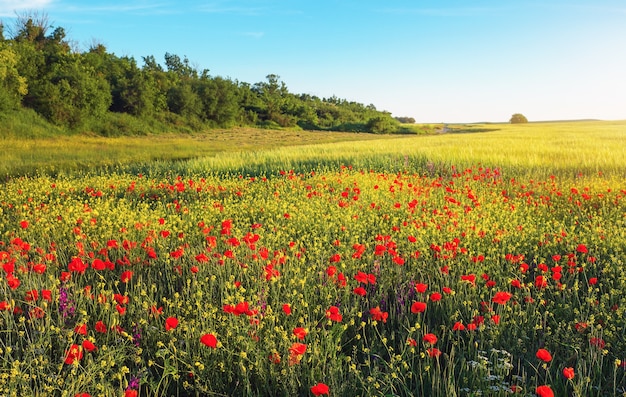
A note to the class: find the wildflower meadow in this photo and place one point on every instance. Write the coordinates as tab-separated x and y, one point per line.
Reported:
339	281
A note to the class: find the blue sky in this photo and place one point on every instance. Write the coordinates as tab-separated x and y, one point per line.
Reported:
434	60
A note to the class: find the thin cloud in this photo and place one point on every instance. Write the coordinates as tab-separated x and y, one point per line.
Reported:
218	8
137	8
445	11
10	7
254	35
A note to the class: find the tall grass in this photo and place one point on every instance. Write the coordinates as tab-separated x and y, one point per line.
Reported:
542	149
567	149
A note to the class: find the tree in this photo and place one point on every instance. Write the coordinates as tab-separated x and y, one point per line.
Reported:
12	86
518	118
383	124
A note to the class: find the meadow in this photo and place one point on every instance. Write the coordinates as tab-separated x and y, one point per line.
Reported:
485	261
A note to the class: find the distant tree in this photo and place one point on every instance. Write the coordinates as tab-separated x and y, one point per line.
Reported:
406	120
518	118
383	124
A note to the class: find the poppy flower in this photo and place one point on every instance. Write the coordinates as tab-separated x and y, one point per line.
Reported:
300	332
544	355
544	391
435	297
418	307
379	315
209	340
171	323
458	326
74	353
287	309
434	352
297	349
126	276
100	327
501	297
333	314
319	389
430	338
89	346
470	278
81	329
82	395
568	372
131	393
360	291
421	287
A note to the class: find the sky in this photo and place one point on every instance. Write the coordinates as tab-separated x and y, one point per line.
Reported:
452	61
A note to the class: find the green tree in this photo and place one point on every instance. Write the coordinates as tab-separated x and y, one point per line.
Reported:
12	86
518	118
383	124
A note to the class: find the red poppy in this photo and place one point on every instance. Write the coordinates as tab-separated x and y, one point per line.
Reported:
100	327
434	352
568	372
544	391
126	276
333	314
360	291
544	355
418	307
379	315
430	338
421	287
501	297
320	389
131	393
593	281
171	323
300	332
81	329
582	248
435	297
24	224
75	353
89	346
458	326
287	309
209	340
295	353
82	395
470	278
411	342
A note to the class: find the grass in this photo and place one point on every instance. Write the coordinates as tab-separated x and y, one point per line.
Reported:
565	148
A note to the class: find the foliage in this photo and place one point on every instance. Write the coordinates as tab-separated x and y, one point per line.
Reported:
518	118
77	89
406	120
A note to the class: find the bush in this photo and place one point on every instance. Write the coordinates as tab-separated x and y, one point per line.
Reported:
518	118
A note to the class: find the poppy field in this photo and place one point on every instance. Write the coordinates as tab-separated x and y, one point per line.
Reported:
340	281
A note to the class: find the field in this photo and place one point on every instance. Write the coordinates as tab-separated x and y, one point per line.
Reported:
486	261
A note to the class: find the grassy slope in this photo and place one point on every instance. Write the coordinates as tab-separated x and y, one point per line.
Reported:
561	147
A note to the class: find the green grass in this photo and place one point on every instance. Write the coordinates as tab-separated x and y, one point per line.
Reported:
564	148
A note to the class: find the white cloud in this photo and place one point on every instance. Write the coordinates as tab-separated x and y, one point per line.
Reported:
10	7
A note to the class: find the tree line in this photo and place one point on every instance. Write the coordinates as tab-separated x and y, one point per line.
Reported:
41	70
